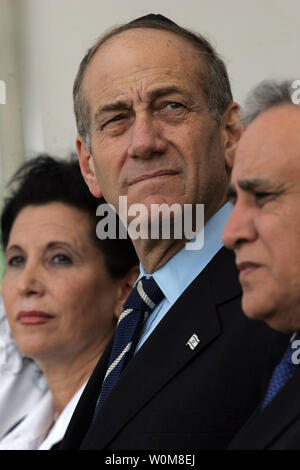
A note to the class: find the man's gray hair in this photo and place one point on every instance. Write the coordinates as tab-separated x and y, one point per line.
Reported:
266	95
216	85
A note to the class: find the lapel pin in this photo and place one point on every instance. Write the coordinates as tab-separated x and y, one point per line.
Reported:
193	341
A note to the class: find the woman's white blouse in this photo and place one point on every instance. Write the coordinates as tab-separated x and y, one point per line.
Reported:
39	430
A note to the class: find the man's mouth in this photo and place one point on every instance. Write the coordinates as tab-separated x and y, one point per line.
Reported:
247	267
153	175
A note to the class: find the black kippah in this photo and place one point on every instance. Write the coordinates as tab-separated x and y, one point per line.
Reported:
151	16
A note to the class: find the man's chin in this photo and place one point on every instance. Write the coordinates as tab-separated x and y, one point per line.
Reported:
152	192
255	308
153	200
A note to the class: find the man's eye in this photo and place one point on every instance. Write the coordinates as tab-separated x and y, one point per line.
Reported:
117	118
61	259
16	261
173	105
262	198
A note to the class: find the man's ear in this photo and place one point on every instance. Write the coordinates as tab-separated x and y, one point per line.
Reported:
124	289
87	167
232	132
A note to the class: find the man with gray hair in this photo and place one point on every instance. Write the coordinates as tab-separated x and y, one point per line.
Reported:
265	95
263	230
157	125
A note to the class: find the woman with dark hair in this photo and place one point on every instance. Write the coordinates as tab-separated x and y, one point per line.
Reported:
63	289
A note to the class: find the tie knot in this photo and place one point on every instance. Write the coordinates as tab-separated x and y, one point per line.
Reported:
145	295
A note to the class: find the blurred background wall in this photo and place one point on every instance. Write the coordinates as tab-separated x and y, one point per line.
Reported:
43	41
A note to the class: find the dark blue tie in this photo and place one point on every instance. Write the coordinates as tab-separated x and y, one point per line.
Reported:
283	372
142	300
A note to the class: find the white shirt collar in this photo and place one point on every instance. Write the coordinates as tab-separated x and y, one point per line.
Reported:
59	428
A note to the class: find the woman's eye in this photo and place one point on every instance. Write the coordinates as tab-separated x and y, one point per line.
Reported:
61	259
15	261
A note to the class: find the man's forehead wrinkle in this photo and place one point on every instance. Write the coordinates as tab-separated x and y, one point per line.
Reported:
145	75
121	40
270	144
142	93
284	119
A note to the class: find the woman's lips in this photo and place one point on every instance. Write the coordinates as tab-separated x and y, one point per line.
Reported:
33	317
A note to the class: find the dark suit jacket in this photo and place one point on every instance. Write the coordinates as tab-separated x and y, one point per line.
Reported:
172	397
277	426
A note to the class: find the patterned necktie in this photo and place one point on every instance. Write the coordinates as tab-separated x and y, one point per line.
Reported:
141	301
288	365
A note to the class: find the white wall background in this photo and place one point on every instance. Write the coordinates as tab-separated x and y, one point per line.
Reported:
258	39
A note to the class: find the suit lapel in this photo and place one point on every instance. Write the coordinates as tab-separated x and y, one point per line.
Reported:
166	350
264	427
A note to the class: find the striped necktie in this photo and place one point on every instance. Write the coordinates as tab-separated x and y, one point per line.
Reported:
142	300
283	372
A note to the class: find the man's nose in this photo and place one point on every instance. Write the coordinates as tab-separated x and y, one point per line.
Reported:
240	227
30	280
146	139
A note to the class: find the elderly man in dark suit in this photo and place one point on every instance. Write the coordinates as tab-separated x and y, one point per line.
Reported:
263	230
158	126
